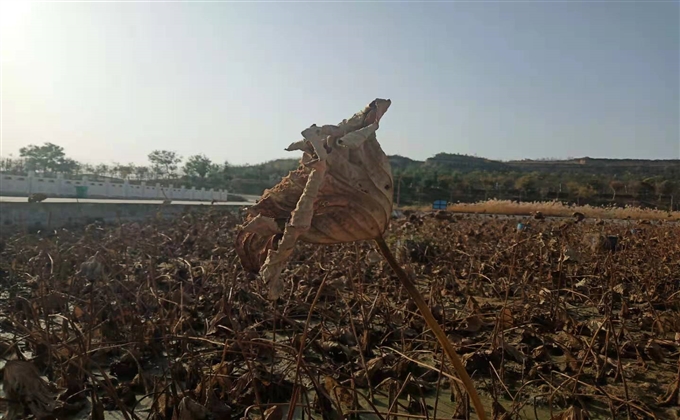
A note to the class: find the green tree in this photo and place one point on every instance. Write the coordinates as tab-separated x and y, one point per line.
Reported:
13	166
219	176
141	172
101	170
87	168
6	164
445	182
597	184
164	162
45	158
69	166
199	166
488	183
635	188
648	185
580	191
526	183
506	182
585	191
226	170
115	170
664	187
124	171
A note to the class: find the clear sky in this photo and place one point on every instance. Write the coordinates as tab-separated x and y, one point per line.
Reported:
240	81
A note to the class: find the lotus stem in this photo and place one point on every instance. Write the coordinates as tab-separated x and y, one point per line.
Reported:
434	326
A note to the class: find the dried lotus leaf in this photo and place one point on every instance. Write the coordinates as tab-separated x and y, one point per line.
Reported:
252	249
27	390
353	200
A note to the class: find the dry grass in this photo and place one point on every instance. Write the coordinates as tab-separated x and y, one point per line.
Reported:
558	209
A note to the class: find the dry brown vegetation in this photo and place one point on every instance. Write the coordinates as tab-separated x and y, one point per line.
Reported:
160	321
558	209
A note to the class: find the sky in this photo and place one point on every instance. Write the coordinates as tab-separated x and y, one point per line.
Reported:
112	81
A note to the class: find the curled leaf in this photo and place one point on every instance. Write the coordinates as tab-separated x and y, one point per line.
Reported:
342	192
252	248
263	225
357	138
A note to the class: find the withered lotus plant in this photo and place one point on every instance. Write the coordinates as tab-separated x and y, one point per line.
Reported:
26	389
341	192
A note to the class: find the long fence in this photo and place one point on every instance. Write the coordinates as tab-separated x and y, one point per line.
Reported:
16	185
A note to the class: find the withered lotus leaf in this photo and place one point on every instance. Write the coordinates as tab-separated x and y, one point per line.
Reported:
341	192
27	390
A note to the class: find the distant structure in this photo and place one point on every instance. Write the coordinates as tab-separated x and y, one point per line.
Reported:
439	205
25	186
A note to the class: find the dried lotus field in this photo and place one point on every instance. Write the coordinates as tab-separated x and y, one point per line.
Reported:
159	321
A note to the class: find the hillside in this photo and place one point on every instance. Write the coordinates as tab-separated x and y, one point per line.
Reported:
452	177
465	163
604	166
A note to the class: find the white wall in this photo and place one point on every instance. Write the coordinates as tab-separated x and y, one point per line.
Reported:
60	187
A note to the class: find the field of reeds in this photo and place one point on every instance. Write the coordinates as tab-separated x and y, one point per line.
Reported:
558	209
560	320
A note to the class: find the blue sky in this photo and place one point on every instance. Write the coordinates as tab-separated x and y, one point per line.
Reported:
240	81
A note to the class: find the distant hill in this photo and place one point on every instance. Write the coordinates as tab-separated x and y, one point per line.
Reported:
442	163
654	183
465	163
585	165
605	166
401	162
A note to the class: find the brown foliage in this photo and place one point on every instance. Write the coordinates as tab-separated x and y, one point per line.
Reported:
354	197
155	318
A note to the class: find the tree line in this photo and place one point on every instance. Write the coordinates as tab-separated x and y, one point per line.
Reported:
442	177
50	159
423	182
